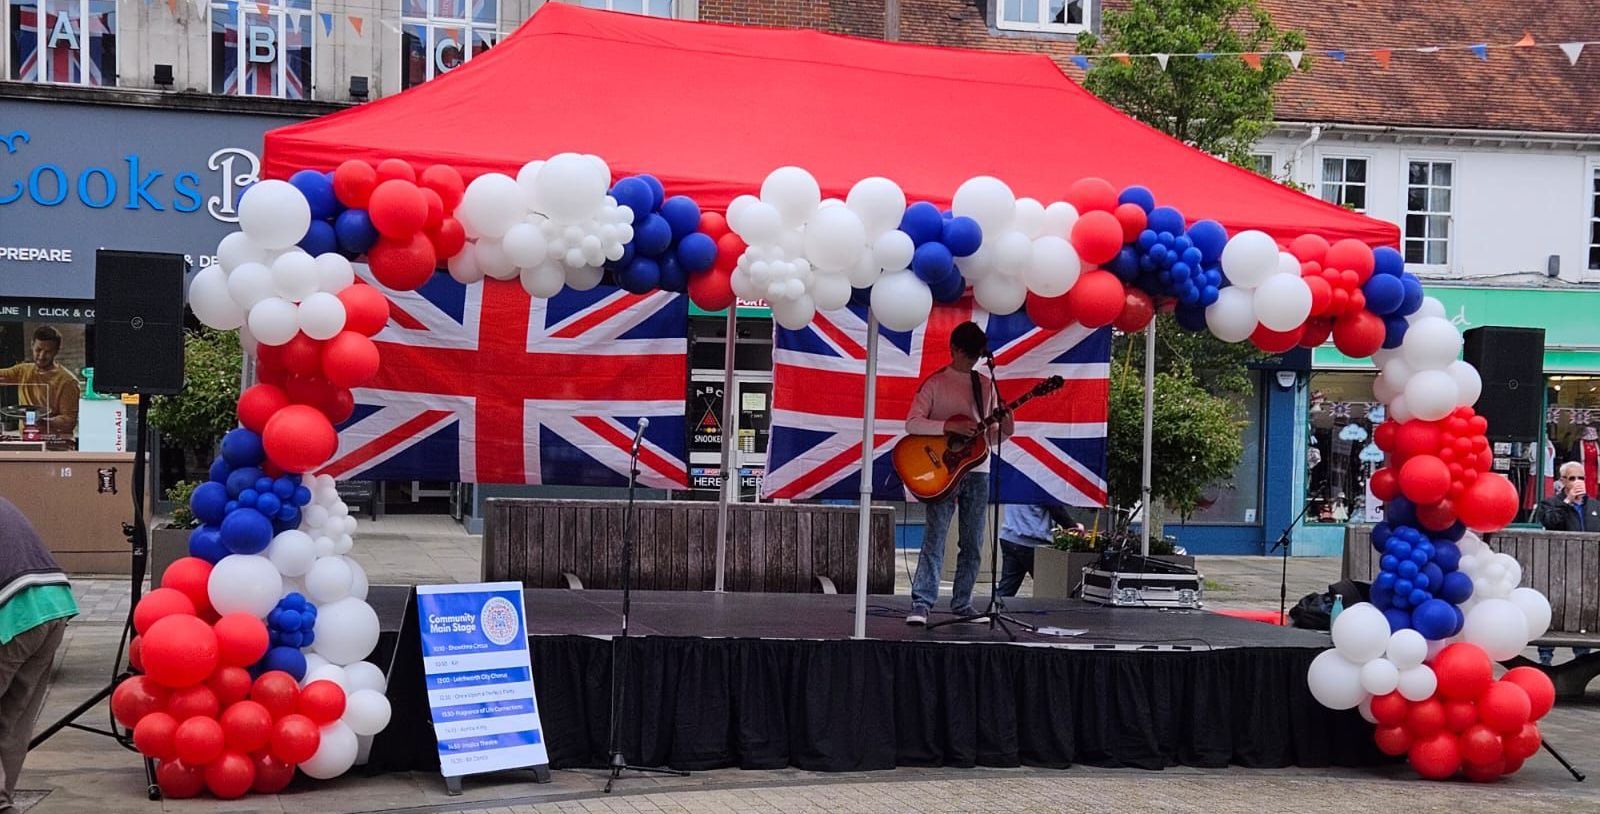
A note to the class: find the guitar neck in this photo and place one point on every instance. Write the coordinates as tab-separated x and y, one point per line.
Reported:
1010	408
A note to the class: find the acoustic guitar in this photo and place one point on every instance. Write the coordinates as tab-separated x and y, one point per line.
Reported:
931	465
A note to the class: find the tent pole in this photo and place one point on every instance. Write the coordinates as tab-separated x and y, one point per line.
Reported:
1149	435
730	479
864	527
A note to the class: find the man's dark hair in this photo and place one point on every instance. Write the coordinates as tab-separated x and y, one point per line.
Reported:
47	333
969	339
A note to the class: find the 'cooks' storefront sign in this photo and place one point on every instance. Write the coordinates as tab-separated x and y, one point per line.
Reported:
74	178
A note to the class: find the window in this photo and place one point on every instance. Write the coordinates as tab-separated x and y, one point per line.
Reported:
261	48
67	41
1261	163
653	8
438	35
1066	16
1428	212
1594	219
1342	455
1344	182
1235	499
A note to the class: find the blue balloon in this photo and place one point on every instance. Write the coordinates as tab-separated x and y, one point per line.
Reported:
1403	587
289	619
319	238
1435	575
673	277
1382	593
1423	548
962	236
1394	330
652	236
628	253
205	542
219	470
1384	294
950	288
635	194
1210	238
248	497
697	252
1398	619
1125	265
1148	239
1434	619
289	514
860	297
242	479
1388	562
1414	293
1398	547
233	506
268	504
1455	588
246	531
1421	581
1139	196
1380	535
641	276
1388	262
263	484
288	659
1400	512
1209	295
1419	596
1190	318
1461	620
302	495
208	502
355	231
1453	534
284	486
1167	220
1406	569
242	447
318	192
1447	555
932	262
658	193
922	222
682	214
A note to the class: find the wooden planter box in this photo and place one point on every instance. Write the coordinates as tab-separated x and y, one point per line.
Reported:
1057	573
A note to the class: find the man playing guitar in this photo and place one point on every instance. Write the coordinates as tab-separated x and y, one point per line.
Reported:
952	401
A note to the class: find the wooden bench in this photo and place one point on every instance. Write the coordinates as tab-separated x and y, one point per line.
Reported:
778	548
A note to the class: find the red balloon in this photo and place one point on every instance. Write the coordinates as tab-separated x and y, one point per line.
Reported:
713	224
154	736
1424	479
179	781
295	738
350	359
199	701
257	404
1092	195
1383	436
300	438
321	701
1276	341
1137	311
241	640
1464	671
712	290
1459	715
1489	504
1437	516
277	691
301	354
1133	220
353	182
1351	255
1383	485
405	263
272	774
1321	295
447	239
396	169
1097	236
180	651
446	183
398	209
435	206
1480	744
1541	692
191	576
1309	248
1417	438
1425	718
159	604
136	654
247	726
231	684
137	697
1392	740
1358	335
231	776
1049	313
1096	299
1505	707
1484	772
1511	765
366	310
1390	709
1523	743
339	406
311	390
198	741
1436	757
729	248
1317	331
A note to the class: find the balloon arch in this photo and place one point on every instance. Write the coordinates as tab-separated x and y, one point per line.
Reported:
252	653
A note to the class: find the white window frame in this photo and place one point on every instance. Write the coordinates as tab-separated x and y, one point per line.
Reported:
83	49
1272	162
1405	206
430	23
1366	185
279	10
673	8
1591	175
1046	27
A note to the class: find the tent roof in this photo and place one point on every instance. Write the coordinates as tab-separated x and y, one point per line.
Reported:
712	109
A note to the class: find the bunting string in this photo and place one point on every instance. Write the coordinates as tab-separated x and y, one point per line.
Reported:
1383	56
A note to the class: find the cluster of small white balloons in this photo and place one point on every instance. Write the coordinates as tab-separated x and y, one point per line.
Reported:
1265	289
1501	617
1422	378
551	226
264	282
803	253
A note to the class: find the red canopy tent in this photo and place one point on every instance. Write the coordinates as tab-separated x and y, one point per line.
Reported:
712	109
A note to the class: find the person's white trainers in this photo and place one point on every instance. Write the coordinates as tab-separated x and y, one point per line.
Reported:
917	618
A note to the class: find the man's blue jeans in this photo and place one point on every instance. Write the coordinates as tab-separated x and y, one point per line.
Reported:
971	496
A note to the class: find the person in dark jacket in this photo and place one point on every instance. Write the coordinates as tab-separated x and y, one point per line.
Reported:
1570	510
35	603
1023	529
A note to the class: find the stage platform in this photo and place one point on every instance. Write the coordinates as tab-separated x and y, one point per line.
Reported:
774	680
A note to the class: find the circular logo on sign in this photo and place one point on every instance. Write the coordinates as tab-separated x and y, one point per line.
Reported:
499	620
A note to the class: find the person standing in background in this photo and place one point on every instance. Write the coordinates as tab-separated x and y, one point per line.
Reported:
46	386
1023	529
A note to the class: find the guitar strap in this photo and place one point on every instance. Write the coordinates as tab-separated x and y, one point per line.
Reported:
977	395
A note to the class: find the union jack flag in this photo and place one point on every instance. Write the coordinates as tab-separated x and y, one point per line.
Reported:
484	384
80	47
291	43
1058	454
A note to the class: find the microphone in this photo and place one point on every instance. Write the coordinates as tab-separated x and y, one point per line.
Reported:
638	434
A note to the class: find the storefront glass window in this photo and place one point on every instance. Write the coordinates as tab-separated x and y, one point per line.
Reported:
42	383
1236	499
436	36
66	41
261	48
1572	429
1341	454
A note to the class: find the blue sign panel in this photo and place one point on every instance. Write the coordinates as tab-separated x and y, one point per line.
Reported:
479	678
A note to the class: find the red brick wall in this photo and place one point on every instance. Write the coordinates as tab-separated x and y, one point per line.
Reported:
860	18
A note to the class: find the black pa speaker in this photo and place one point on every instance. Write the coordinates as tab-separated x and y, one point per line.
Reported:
138	317
1511	363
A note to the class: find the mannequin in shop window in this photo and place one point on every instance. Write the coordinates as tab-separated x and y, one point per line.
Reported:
1587	452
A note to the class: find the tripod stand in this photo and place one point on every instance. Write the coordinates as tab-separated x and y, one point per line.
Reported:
618	762
138	540
995	614
1283	543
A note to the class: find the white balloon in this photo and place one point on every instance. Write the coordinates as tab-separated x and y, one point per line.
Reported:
364	749
1535	608
321	315
544	280
1499	627
329	579
1232	318
879	202
464	266
364	675
274	321
1334	681
1406	649
570	188
1431	344
314	516
1249	258
865	272
274	214
1054	267
1361	633
1431	307
358	575
366	712
320	669
793	192
292	552
988	201
835	238
1384	389
737	208
830	292
211	302
1013	253
251	283
525	181
492	204
491	258
1379	676
584	279
1399	410
892	250
793	313
294	275
1365	708
1431	394
334	272
761	222
244	583
1058	219
1416	684
1028	217
1000	294
236	249
524	245
1398	371
335	754
1469	385
901	301
346	630
1283	302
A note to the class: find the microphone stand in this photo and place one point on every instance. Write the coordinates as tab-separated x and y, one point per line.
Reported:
1283	543
618	762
